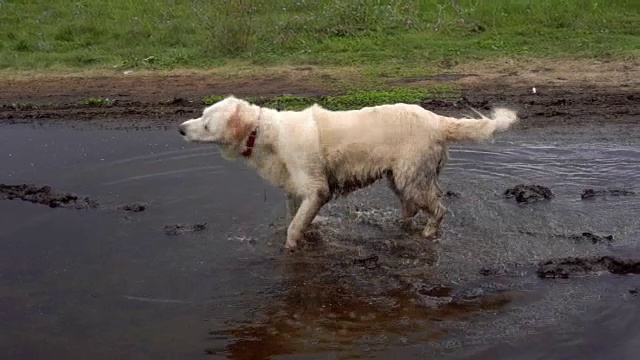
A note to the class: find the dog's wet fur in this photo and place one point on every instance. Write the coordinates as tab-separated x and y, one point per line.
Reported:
316	154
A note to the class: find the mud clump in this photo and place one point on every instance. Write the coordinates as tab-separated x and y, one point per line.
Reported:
581	237
573	266
179	229
592	193
45	195
588	236
528	193
452	194
134	207
370	262
177	101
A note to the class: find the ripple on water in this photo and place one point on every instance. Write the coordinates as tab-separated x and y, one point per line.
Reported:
577	165
360	282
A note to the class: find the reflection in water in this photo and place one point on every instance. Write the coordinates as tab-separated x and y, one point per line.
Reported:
351	306
393	293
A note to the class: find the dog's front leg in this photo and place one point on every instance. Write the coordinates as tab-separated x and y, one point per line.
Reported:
309	208
293	204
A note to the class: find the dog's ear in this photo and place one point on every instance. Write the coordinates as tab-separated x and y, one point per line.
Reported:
239	128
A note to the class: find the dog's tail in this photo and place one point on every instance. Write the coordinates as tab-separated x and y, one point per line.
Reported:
457	129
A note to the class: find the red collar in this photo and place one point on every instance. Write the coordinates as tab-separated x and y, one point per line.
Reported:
250	141
252	138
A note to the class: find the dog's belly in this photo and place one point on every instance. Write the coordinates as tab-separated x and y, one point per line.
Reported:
348	169
341	186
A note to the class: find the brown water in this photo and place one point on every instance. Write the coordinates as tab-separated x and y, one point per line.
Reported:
103	283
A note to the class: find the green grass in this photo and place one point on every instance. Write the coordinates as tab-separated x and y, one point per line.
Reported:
166	34
351	100
97	102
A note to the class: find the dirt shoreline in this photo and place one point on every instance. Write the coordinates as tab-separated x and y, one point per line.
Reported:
566	94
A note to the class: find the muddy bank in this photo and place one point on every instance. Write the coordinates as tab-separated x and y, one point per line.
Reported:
157	102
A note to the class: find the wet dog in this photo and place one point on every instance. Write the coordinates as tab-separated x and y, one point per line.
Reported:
316	154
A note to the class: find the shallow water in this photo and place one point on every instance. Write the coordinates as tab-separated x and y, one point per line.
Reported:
104	283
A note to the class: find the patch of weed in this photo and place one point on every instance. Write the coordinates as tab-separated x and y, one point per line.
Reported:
23	106
289	102
351	100
97	101
387	96
211	99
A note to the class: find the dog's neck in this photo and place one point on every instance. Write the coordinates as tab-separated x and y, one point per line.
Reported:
252	138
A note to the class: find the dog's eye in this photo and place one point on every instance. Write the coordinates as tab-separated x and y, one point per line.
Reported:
206	128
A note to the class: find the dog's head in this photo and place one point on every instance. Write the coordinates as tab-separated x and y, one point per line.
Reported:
226	123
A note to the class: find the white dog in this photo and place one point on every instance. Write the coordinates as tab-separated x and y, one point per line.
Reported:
316	154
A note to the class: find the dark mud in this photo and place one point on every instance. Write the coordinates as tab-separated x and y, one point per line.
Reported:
589	237
575	266
585	236
134	207
368	262
452	194
181	229
45	195
593	193
528	193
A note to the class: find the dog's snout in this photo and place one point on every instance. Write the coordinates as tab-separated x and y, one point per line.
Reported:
182	130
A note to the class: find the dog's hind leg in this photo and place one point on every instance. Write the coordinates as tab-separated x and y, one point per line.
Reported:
426	198
408	207
431	204
420	189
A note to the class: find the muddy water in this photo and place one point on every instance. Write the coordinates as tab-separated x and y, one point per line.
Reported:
105	283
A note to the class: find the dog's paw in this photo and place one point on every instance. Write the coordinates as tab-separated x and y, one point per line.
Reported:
410	227
431	234
290	246
288	250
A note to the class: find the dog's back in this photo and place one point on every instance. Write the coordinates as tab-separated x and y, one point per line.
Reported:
361	146
383	125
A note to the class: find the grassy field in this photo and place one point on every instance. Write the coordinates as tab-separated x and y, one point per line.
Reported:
370	34
359	44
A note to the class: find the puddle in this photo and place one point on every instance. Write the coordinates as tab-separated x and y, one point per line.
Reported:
113	282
